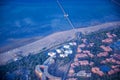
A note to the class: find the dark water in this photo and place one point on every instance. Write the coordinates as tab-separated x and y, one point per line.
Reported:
29	18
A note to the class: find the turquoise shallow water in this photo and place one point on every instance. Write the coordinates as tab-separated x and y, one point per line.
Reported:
29	18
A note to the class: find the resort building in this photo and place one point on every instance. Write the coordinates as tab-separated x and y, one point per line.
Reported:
81	45
106	48
96	70
114	71
88	53
52	54
73	43
81	55
84	62
111	35
102	54
83	73
79	50
108	40
68	51
58	51
66	46
91	44
84	40
63	52
63	55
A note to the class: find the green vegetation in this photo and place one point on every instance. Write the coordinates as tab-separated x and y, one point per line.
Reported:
97	37
31	61
28	62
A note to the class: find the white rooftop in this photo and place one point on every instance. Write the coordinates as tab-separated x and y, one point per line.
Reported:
51	54
68	51
15	59
62	55
66	46
58	51
73	43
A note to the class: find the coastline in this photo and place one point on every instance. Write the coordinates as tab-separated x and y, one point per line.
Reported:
14	43
51	40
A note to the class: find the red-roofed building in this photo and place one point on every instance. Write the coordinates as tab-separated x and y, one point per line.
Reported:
84	63
96	70
106	48
81	45
102	54
108	40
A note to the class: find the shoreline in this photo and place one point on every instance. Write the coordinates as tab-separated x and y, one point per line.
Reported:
51	40
15	43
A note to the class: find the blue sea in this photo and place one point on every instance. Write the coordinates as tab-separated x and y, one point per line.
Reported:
31	18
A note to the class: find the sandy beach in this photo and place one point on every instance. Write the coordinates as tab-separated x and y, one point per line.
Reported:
14	43
52	40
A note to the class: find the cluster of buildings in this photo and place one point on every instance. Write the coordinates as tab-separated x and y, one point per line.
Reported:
109	70
111	60
83	73
97	70
84	58
113	71
110	38
115	64
102	54
106	51
106	48
63	51
81	59
85	44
